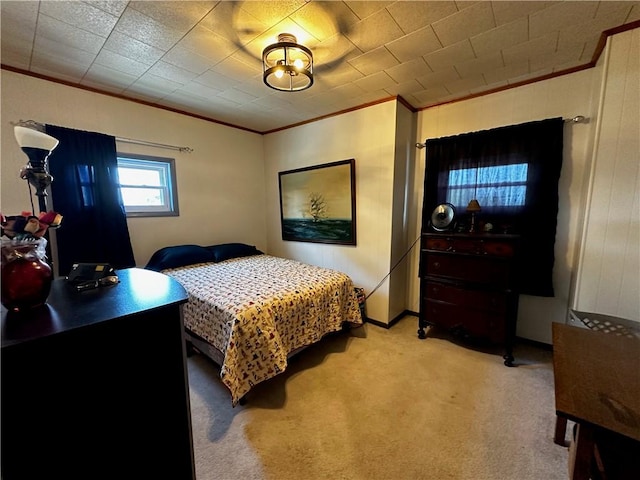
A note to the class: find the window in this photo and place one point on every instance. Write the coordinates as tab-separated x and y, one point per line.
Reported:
148	185
492	186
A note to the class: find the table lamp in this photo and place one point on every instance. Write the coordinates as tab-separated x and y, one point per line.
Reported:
473	208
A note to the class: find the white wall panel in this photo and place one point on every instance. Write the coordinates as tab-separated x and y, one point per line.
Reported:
608	273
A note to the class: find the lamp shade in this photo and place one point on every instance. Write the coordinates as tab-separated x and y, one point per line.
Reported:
287	66
30	138
473	206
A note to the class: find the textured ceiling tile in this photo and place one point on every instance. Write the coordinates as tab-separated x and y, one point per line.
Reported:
440	77
503	74
377	81
404	89
133	48
534	48
118	62
207	43
334	50
270	13
409	70
364	9
81	15
214	80
457	53
466	84
154	85
228	20
466	23
507	12
72	64
507	34
480	65
113	7
374	31
181	16
324	20
199	90
337	76
634	15
420	42
18	19
67	73
238	96
147	30
425	97
567	55
416	14
99	74
16	55
378	59
188	60
172	72
60	56
68	35
560	16
236	69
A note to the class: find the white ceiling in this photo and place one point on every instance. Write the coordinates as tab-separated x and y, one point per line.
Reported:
203	57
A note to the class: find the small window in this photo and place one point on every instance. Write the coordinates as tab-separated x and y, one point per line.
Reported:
492	186
148	185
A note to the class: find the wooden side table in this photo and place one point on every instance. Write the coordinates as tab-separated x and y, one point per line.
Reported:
597	385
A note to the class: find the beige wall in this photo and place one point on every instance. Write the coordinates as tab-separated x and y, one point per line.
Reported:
368	136
220	185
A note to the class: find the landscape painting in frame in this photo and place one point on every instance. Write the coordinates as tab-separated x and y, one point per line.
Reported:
317	204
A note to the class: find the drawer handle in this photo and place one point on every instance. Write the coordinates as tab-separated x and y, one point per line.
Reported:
435	289
436	264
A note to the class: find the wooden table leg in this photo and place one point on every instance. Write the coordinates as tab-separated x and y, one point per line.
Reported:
583	453
561	431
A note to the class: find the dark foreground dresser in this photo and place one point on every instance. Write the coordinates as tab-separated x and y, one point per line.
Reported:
467	286
95	386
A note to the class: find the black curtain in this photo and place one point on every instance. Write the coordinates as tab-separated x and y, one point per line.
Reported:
539	145
85	192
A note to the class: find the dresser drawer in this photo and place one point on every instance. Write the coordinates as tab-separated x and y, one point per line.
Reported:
492	301
480	245
466	321
467	268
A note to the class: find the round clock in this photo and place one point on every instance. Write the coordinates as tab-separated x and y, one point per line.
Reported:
442	217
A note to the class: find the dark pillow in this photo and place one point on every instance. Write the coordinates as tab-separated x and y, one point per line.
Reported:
179	256
225	251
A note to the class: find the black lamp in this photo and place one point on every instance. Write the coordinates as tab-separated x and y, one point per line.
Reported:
37	146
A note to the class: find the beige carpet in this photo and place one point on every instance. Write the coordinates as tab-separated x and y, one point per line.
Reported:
382	404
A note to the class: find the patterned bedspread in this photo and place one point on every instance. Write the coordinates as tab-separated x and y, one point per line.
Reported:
256	310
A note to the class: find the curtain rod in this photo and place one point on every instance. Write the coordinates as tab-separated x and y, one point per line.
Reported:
153	144
576	119
40	127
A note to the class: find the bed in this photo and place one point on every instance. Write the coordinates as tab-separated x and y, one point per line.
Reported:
249	312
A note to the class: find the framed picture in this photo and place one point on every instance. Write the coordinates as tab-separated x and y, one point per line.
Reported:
317	204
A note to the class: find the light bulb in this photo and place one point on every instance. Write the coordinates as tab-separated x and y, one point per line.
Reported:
279	73
297	63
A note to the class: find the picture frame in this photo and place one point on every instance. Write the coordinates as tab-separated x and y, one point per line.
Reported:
317	203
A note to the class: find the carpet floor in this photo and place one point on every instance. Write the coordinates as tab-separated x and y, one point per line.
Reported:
381	404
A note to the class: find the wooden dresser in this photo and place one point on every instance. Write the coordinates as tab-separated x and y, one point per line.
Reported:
95	385
467	286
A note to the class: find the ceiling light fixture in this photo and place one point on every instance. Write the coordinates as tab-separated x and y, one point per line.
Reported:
287	65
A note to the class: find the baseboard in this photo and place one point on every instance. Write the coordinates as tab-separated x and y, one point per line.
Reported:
535	343
392	322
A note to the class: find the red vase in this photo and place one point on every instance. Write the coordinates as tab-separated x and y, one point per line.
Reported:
26	277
